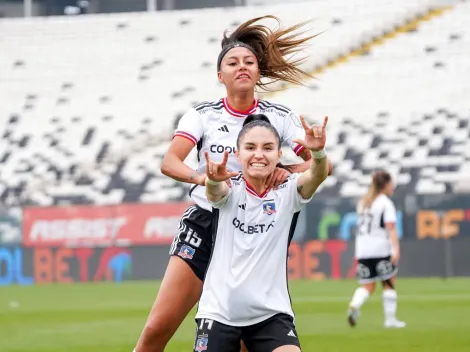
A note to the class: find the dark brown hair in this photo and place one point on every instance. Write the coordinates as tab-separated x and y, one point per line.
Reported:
380	179
271	48
257	120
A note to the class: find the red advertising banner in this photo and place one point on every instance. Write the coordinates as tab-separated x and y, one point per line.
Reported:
120	225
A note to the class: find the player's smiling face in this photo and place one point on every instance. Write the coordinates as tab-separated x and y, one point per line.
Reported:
239	70
259	153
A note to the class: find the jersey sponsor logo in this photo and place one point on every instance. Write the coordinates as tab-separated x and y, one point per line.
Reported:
251	229
274	111
280	110
186	252
269	208
201	344
222	148
285	183
211	110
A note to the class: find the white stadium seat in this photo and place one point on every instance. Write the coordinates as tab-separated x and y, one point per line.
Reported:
89	103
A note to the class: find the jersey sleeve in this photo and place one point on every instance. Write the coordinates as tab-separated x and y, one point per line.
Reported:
390	213
293	129
190	127
297	202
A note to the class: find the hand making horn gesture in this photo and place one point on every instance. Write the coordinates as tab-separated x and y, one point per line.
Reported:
315	136
218	172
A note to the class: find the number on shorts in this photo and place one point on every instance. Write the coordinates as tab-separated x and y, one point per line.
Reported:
364	224
208	322
192	238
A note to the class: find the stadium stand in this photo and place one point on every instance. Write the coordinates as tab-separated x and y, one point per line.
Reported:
400	105
91	101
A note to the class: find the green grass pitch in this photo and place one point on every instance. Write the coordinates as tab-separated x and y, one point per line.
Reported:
105	317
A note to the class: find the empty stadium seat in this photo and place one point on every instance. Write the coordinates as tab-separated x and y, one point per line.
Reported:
89	103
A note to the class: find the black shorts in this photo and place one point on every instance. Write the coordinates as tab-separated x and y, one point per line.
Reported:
375	269
277	331
193	243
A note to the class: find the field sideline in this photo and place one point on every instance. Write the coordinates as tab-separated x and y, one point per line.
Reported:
105	317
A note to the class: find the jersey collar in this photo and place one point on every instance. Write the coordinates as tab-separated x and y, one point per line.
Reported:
252	191
237	113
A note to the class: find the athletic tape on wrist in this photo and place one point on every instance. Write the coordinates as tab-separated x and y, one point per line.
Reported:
209	181
320	154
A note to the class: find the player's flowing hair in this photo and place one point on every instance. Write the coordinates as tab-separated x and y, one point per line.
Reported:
277	50
380	179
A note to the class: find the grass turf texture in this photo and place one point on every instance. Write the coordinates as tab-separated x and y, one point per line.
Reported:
105	317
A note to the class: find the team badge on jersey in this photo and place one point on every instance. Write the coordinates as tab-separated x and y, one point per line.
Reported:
269	208
201	344
186	252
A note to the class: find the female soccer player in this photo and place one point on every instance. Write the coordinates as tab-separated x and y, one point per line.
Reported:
251	53
377	249
245	294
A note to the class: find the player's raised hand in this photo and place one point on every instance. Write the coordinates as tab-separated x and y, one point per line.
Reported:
315	136
218	172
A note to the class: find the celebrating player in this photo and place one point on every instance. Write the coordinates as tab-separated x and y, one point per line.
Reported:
245	294
377	249
251	53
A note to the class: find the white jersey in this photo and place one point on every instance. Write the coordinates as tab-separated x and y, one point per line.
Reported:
246	280
214	128
372	238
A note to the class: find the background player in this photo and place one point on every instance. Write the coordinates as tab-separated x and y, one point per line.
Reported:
377	249
245	294
251	53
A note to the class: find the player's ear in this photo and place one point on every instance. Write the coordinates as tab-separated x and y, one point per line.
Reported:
280	154
220	78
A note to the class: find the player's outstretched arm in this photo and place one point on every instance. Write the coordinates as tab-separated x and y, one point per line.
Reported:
315	140
216	175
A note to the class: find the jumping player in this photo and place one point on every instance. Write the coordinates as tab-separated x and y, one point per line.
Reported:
377	249
250	56
245	294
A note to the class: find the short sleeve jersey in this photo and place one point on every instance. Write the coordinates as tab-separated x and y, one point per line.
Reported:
372	238
214	126
246	281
